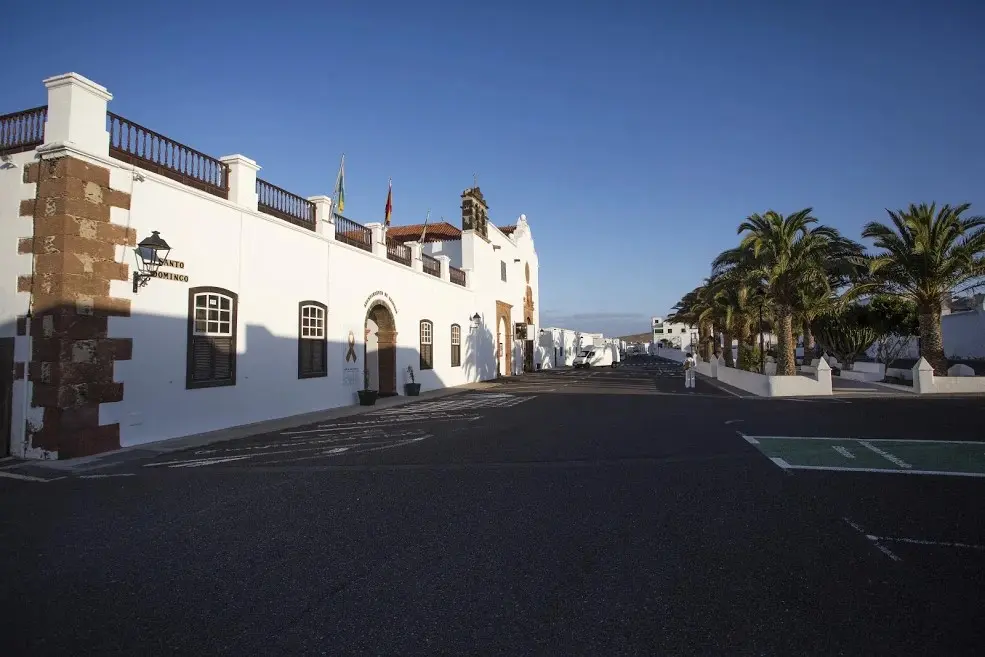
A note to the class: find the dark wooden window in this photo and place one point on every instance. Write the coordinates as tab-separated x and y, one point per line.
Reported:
427	345
211	358
502	270
312	340
456	345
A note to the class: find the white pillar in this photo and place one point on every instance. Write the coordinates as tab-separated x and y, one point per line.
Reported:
242	180
324	217
824	377
77	113
379	247
416	249
468	277
445	263
923	377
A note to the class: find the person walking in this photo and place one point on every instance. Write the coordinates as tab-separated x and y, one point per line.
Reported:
689	366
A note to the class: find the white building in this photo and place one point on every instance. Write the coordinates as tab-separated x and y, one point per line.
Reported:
673	334
267	304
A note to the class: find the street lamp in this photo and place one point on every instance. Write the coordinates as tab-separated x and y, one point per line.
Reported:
475	319
150	254
761	291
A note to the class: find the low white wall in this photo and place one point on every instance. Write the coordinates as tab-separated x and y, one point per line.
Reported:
926	383
754	382
800	386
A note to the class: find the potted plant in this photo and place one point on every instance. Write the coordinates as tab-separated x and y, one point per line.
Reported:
412	389
367	397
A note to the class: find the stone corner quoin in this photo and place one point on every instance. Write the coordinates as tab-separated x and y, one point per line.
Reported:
74	247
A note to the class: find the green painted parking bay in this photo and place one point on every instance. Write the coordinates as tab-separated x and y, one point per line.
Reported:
928	457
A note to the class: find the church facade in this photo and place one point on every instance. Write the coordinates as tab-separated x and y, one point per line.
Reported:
153	291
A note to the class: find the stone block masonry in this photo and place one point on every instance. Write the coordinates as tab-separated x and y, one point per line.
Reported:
74	248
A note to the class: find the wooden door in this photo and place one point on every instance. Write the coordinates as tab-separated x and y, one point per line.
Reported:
528	356
387	355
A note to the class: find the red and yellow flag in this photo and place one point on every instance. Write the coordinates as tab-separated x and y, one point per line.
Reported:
389	205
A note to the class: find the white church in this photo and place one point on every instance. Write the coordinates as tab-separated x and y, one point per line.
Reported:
151	291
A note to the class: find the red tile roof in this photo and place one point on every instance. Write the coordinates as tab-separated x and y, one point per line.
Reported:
507	230
439	232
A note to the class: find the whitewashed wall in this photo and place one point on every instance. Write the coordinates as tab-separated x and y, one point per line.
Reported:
271	265
964	334
14	304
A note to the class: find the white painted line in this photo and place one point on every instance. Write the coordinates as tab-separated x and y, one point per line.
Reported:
877	440
780	462
874	539
886	455
885	550
106	476
917	541
749	439
733	421
194	462
14	475
844	452
832	468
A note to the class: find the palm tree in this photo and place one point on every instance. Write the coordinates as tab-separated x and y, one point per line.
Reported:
689	309
785	255
924	255
741	312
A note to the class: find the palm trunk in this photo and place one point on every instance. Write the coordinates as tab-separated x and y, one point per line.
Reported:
727	347
744	339
786	361
810	346
932	339
704	339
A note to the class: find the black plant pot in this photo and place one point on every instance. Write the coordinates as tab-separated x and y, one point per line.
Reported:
412	389
367	397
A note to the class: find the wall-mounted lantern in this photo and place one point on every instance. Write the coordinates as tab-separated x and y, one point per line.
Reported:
150	254
475	319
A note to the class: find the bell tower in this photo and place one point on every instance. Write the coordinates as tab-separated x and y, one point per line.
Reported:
475	212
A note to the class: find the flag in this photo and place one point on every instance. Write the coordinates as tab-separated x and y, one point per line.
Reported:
340	188
389	205
425	231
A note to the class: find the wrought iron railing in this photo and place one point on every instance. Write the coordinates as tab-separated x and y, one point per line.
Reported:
153	151
282	204
457	276
431	265
353	234
397	252
22	131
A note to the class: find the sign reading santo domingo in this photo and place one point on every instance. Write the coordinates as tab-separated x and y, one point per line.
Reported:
170	275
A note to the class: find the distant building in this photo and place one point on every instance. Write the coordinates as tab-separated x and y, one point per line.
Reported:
673	334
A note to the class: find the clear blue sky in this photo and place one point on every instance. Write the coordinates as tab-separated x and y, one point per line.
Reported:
634	136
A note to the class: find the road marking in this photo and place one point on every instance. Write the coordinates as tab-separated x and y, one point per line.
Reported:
106	476
886	455
877	440
917	541
875	540
14	475
831	468
733	421
844	452
749	439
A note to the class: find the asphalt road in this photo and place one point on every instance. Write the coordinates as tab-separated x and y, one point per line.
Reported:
607	512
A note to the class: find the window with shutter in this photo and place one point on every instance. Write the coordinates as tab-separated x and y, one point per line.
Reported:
211	338
312	340
456	345
427	345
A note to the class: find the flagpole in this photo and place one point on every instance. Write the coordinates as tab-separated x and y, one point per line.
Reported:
424	231
339	181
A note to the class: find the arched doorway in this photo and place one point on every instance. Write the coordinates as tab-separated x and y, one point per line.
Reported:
381	350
